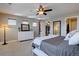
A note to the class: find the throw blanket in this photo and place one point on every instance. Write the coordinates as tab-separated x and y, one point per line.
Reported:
37	41
59	47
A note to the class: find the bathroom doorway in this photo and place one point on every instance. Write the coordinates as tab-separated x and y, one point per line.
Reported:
71	24
47	30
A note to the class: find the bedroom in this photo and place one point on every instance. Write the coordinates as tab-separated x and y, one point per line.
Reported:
15	15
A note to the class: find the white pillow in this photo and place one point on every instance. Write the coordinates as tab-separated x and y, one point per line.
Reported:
70	34
74	40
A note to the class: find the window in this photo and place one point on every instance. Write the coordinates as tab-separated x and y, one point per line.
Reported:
11	21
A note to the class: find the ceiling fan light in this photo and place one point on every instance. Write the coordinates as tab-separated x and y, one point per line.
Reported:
41	12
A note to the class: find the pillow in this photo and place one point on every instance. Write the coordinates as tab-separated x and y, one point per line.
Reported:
70	34
74	40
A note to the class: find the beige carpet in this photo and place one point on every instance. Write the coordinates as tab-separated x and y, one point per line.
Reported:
16	49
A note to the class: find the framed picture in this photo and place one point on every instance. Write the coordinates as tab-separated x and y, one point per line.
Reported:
25	27
57	27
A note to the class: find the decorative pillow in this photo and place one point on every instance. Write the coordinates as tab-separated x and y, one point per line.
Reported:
70	34
74	40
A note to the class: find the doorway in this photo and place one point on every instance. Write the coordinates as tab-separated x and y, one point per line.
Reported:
44	28
71	24
47	29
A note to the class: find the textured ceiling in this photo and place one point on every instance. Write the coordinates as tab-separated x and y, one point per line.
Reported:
29	9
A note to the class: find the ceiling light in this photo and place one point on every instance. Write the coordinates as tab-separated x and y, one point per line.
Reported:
18	14
41	12
34	24
40	18
31	16
24	22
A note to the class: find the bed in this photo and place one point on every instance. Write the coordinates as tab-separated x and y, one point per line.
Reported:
56	46
38	40
59	47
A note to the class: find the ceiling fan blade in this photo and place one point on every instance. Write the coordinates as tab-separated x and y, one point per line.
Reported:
37	14
47	10
44	13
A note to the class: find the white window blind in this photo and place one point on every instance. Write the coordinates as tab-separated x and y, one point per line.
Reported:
11	21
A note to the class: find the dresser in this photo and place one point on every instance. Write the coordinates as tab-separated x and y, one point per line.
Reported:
25	35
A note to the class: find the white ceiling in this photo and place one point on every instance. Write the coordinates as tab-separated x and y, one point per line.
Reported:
29	9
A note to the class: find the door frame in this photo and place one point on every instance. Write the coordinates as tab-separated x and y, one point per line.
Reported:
66	22
40	26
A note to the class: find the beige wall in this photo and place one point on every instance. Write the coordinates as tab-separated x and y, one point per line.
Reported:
12	32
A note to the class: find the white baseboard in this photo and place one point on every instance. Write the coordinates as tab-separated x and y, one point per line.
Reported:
9	41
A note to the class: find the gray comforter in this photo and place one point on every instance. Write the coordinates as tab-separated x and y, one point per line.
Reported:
58	47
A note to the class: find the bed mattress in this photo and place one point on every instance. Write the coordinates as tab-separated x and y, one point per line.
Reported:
59	47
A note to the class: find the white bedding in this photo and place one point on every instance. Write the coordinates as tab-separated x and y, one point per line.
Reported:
74	40
70	34
38	52
38	40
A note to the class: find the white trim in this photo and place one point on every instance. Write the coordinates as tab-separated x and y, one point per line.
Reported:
9	41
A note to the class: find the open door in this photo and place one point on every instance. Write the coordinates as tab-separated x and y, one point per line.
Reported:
47	29
71	24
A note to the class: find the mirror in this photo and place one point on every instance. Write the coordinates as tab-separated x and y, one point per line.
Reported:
57	27
25	27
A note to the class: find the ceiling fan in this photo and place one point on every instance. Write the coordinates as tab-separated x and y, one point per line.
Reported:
42	10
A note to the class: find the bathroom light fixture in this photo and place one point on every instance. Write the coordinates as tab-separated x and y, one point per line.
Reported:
48	22
25	22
